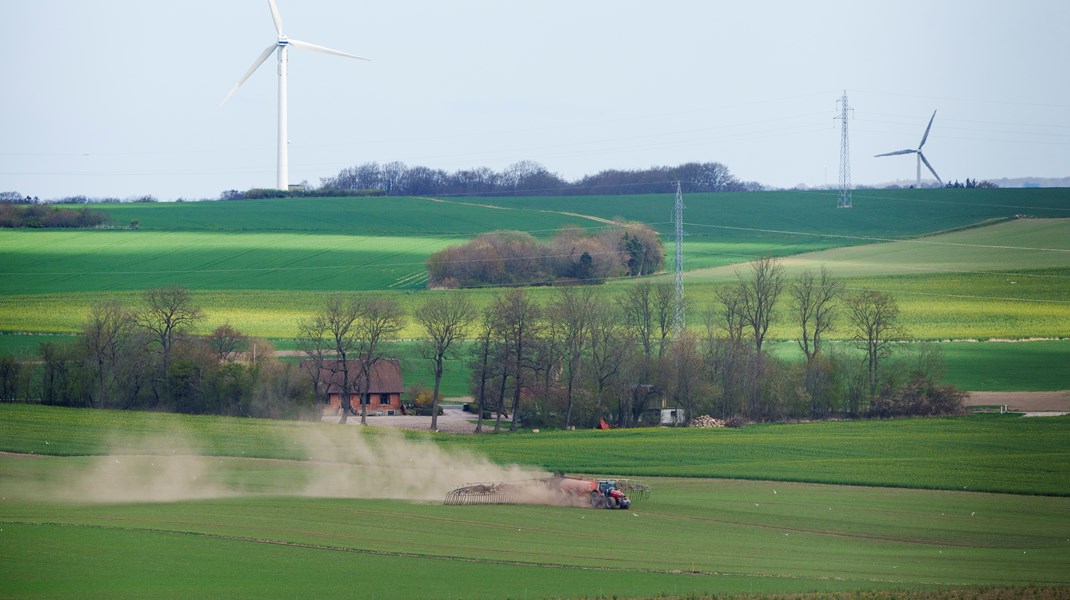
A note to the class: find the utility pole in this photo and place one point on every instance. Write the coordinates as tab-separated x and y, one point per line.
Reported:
678	263
844	200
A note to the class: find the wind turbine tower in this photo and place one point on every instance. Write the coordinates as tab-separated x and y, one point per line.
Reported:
844	200
921	157
282	46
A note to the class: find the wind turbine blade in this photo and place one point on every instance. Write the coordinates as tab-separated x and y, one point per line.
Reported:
922	157
926	136
896	153
324	49
259	61
275	16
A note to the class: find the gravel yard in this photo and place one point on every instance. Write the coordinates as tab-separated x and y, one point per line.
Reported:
452	420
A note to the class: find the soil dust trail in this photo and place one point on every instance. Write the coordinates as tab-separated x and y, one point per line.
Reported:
340	462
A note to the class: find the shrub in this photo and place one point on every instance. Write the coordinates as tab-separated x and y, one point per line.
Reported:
735	421
919	397
511	257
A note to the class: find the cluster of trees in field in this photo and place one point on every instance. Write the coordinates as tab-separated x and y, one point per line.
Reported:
970	184
302	192
573	255
579	358
12	197
532	179
585	356
144	357
31	215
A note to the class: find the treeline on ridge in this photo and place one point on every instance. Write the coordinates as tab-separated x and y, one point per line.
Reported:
36	216
532	179
573	256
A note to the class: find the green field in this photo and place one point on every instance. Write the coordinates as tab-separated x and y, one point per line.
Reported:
264	265
229	523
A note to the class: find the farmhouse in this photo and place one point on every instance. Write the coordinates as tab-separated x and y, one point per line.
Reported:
383	396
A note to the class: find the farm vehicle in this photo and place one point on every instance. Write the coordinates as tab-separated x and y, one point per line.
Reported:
559	489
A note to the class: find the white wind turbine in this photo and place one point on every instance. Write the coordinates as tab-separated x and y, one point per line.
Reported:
282	44
921	157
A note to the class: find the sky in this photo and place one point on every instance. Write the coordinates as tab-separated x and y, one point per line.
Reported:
121	98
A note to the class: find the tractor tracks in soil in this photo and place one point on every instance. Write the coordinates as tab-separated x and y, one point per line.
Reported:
418	555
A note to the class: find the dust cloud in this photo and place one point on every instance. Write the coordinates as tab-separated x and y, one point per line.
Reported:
352	466
345	462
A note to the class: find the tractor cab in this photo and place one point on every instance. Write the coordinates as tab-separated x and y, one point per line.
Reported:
605	486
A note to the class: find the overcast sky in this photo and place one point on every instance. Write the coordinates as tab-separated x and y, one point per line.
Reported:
122	97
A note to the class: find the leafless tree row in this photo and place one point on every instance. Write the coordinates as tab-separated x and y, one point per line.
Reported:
587	356
531	178
583	357
145	357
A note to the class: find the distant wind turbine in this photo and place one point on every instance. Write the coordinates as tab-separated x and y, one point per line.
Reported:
282	44
921	157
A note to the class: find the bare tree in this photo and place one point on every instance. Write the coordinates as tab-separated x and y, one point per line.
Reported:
226	342
664	313
758	296
105	337
814	299
519	318
482	362
609	351
379	319
875	317
445	320
730	313
547	355
725	326
687	381
313	340
572	309
334	327
169	311
637	312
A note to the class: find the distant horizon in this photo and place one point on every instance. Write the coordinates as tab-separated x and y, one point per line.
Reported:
122	98
1003	182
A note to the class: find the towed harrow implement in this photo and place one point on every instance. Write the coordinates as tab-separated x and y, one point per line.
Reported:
485	493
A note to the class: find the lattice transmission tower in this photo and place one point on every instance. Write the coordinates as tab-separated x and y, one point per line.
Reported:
844	199
678	262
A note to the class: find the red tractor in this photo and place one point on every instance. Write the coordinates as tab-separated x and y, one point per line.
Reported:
606	494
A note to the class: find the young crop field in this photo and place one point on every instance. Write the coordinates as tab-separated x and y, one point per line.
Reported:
371	216
1022	366
894	214
126	505
262	266
58	262
994	453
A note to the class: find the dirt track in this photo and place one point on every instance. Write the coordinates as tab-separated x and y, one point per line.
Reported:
1023	401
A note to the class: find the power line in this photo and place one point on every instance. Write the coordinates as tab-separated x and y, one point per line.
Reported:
678	262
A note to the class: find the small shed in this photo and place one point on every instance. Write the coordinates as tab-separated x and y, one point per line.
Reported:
673	416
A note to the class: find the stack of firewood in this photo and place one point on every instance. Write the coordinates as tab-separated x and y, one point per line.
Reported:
705	421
